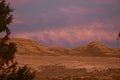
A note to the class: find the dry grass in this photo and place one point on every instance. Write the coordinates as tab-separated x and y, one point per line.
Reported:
53	72
73	67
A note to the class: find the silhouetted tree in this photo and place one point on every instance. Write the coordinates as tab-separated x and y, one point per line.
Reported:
8	66
118	36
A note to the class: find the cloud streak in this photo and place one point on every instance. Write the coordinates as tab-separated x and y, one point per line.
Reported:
66	23
72	36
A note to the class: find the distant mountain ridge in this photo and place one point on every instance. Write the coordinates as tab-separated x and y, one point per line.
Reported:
30	47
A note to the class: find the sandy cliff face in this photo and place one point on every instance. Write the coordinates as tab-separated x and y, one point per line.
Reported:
30	47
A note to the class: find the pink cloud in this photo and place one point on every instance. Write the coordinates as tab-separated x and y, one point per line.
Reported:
71	24
73	10
71	36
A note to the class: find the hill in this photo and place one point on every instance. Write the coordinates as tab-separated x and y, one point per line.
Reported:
30	47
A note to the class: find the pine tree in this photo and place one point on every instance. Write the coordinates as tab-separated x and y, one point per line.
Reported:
8	66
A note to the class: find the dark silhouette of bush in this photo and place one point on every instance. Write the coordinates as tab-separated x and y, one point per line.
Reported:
9	70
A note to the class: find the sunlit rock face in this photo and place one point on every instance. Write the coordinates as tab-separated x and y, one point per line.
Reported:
30	47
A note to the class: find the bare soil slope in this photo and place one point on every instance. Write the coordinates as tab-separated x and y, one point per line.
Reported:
54	63
30	47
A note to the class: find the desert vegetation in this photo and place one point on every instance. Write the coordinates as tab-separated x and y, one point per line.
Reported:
9	69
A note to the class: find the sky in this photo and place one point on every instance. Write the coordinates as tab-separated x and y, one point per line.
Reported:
67	23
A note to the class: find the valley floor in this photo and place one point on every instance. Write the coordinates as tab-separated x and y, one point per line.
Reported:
72	67
69	61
